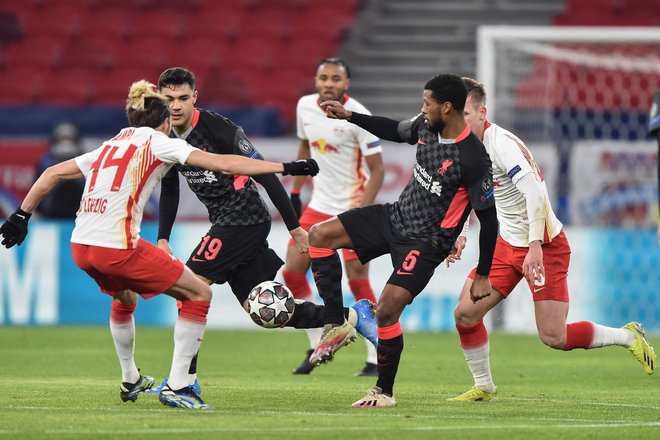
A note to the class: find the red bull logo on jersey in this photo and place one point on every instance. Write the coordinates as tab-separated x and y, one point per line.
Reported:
323	147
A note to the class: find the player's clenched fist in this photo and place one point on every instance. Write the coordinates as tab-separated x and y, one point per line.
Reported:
335	110
15	229
302	167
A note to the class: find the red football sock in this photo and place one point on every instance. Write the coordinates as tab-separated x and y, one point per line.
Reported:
472	336
362	290
195	311
297	284
120	313
579	335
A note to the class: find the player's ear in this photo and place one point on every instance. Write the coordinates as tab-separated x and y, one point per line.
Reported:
195	93
483	112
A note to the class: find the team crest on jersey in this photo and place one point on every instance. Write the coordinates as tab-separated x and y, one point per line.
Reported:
245	147
445	165
324	147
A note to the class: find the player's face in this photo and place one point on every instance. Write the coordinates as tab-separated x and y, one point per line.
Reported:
181	100
435	112
331	82
475	116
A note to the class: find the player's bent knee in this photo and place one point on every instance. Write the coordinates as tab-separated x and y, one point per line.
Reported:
316	236
465	316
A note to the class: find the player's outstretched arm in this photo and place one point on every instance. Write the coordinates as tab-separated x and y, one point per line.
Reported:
384	128
15	229
481	287
241	165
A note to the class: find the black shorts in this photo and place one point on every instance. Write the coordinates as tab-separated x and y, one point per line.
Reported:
372	234
238	255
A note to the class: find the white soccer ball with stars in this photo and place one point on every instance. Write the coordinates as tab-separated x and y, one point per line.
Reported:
270	304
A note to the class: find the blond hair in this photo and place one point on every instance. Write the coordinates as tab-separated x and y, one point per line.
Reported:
145	106
476	91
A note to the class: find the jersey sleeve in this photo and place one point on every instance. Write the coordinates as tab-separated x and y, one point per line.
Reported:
409	129
242	145
477	176
85	161
171	150
508	156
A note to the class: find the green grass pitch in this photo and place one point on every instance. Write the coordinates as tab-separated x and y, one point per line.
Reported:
63	383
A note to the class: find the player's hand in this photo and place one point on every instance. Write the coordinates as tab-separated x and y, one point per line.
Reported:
296	203
480	288
165	245
299	236
457	250
15	229
533	268
335	110
302	167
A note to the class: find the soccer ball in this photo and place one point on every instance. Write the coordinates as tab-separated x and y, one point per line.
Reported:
270	304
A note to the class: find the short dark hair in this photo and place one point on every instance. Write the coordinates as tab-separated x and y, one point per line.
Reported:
337	61
176	76
475	90
448	87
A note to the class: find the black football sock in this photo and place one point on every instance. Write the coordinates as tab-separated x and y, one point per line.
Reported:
309	315
389	355
327	276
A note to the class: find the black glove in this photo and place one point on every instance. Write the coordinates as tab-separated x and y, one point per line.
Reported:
14	230
296	203
302	167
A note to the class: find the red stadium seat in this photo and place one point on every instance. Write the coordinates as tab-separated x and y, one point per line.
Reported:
37	53
111	22
69	87
94	53
31	86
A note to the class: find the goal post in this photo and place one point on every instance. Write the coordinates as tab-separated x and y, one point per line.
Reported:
536	72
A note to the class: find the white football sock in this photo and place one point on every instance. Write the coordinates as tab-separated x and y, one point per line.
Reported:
478	360
187	339
314	335
123	335
604	336
372	353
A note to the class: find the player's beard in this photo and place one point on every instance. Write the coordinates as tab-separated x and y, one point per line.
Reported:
437	127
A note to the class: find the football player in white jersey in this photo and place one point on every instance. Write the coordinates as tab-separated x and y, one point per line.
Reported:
340	148
106	243
531	245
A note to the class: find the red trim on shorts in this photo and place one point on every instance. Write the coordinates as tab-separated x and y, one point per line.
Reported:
120	313
456	208
315	252
579	335
472	336
390	332
464	133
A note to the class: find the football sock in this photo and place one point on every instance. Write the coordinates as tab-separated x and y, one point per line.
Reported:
362	290
372	354
579	335
390	347
476	349
297	284
310	315
604	336
122	328
188	334
327	276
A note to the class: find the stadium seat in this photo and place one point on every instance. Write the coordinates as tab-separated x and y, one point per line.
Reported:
68	87
94	53
31	85
34	52
116	23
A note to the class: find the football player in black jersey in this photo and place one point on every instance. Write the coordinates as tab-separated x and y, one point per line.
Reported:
452	175
235	249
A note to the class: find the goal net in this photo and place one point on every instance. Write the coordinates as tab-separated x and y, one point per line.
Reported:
586	92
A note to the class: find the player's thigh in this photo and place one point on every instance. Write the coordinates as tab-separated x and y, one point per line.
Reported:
506	268
468	312
355	270
189	287
295	261
263	266
369	231
556	259
225	248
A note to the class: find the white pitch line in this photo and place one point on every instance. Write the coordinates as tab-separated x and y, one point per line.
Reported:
356	428
623	405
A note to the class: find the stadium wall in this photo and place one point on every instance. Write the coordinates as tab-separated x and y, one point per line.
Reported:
41	286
